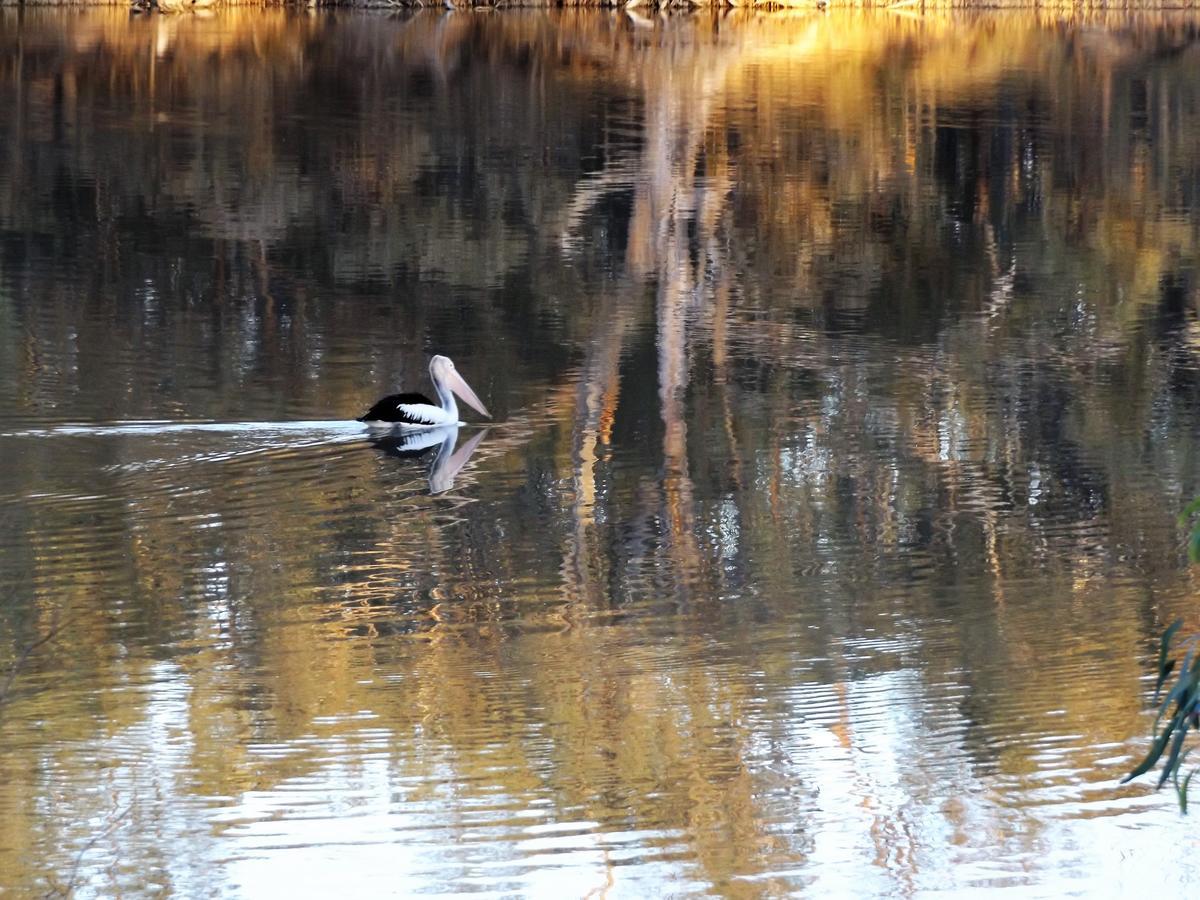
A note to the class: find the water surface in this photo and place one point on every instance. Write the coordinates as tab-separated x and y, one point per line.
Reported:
846	374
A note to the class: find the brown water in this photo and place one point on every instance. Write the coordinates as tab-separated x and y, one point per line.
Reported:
846	382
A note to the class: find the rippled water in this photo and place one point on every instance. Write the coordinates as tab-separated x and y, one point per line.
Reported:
845	373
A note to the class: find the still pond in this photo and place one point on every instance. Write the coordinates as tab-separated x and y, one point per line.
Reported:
845	382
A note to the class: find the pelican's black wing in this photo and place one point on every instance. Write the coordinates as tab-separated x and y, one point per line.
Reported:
389	409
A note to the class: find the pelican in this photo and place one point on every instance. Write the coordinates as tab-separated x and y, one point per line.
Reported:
413	411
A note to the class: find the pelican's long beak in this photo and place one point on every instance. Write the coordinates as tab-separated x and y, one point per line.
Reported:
455	382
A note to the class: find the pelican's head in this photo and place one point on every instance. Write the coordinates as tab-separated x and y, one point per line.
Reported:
442	371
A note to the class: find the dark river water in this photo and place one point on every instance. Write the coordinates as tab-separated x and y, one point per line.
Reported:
845	382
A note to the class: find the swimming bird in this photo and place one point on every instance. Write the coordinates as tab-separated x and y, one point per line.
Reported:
413	411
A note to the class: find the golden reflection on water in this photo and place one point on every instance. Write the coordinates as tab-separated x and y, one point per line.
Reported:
847	394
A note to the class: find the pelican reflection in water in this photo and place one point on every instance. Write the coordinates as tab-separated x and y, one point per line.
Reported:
412	444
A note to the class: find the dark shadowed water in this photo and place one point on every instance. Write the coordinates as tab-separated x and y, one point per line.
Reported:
845	374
